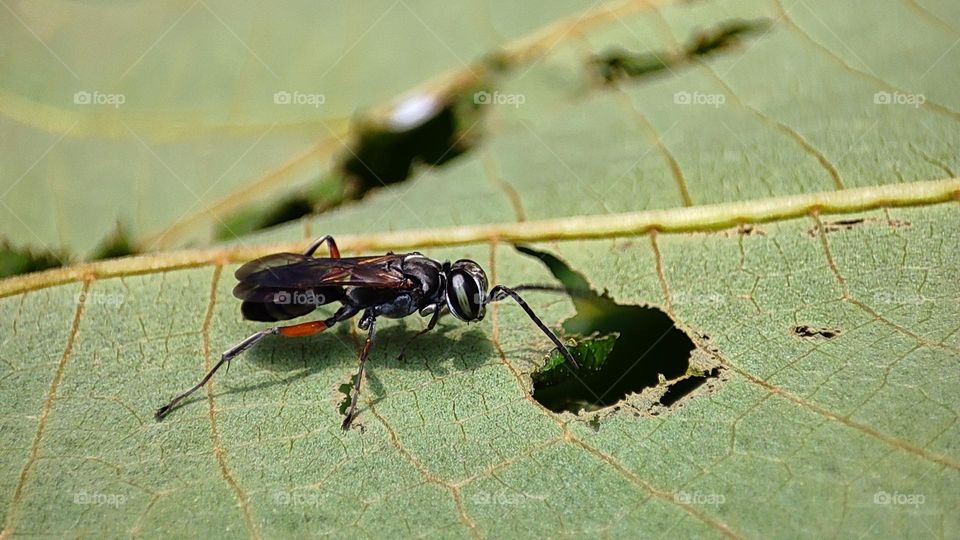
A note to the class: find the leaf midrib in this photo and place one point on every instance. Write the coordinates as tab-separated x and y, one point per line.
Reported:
705	218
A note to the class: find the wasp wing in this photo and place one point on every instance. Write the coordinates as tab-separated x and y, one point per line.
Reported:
285	286
291	270
270	261
274	311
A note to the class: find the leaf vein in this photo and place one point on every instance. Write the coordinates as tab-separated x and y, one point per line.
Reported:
218	449
45	410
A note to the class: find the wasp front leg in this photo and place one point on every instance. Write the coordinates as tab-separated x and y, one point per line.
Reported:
368	322
437	312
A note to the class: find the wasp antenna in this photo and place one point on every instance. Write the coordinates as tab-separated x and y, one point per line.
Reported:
501	291
575	293
539	287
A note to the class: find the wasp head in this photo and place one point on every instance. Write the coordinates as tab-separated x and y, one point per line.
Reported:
466	290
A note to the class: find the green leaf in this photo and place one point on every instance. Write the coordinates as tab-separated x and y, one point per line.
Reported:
590	352
820	397
167	120
15	261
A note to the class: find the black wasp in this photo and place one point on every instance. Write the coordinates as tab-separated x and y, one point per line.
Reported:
285	286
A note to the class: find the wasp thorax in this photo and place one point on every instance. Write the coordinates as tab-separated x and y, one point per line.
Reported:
467	290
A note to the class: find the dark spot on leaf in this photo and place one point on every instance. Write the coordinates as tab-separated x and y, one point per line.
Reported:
289	209
810	332
724	36
848	224
345	389
117	244
743	229
620	64
750	230
424	131
628	349
838	225
384	156
498	62
15	261
323	194
253	219
616	65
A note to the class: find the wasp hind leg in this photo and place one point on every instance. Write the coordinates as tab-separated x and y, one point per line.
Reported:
331	246
296	330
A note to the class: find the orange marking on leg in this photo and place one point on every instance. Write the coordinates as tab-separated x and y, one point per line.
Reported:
304	329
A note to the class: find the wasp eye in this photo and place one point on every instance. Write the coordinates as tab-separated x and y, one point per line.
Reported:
467	291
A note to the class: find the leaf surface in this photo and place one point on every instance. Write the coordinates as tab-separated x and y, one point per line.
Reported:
838	336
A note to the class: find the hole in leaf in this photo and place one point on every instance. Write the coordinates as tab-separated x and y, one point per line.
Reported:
323	194
628	349
385	155
257	218
288	210
117	244
619	64
346	389
423	130
15	261
686	386
811	332
850	224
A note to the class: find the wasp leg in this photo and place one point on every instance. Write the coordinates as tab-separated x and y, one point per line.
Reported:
296	330
501	292
331	246
368	322
430	326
